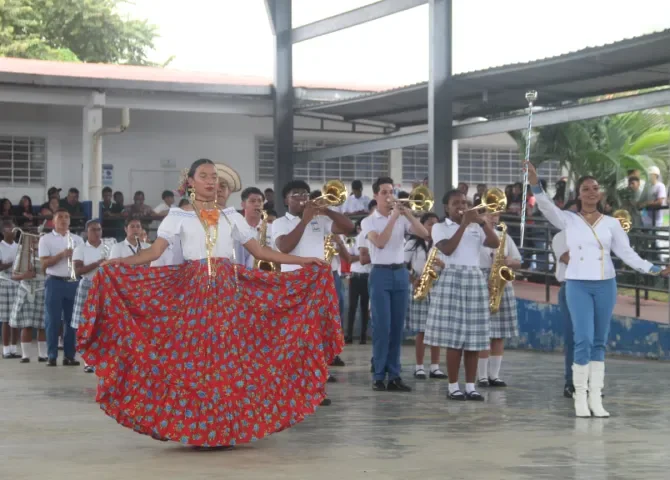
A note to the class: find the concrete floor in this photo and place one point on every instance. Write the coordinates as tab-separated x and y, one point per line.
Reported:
52	429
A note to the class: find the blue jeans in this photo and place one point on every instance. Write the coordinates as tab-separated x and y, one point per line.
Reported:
340	295
58	304
568	334
591	303
389	296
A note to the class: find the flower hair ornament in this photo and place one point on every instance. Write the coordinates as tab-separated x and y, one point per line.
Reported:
182	187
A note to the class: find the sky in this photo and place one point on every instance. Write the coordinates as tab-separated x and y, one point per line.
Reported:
234	36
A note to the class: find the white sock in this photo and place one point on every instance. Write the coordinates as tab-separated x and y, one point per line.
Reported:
453	387
60	341
483	369
14	350
42	349
469	387
434	367
418	367
495	367
25	349
6	350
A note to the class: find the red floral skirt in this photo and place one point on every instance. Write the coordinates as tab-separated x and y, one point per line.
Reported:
210	363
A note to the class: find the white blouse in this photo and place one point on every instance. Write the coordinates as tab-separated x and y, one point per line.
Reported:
415	255
590	246
468	250
486	254
186	225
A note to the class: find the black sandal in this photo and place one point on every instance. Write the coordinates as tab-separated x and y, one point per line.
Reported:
420	374
474	395
457	395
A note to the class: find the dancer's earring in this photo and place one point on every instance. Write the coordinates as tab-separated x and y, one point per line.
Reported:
191	195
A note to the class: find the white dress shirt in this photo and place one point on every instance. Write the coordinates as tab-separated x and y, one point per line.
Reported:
468	251
487	254
186	225
88	254
353	204
171	256
357	267
559	246
162	207
242	255
126	249
590	246
393	252
416	256
51	245
8	255
311	243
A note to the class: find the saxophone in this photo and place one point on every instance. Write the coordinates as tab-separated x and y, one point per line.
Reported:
428	276
329	250
500	273
262	234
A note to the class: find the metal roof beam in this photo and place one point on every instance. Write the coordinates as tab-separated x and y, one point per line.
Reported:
270	10
541	118
365	14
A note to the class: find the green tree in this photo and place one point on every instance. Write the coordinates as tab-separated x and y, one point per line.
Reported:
605	147
74	30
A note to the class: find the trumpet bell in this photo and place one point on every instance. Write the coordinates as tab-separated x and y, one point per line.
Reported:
421	199
494	201
624	219
333	193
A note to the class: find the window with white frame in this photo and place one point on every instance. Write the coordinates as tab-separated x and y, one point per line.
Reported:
366	167
22	160
492	166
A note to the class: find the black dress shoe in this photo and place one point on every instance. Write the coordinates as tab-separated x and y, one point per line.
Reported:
7	356
51	362
25	360
332	379
397	385
348	340
568	390
379	386
439	374
89	369
326	402
337	362
70	362
496	382
42	359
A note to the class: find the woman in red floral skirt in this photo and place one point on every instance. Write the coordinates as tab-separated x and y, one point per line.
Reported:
207	353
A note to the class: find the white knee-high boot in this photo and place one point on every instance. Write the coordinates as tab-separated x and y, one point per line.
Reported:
596	384
580	379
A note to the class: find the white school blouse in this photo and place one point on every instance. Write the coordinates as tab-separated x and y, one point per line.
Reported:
88	254
467	252
590	247
8	254
357	267
125	249
186	225
311	243
486	254
416	256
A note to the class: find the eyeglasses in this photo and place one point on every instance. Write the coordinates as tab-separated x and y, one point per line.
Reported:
299	195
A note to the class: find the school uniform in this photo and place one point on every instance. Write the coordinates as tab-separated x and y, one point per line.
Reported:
28	306
504	323
87	254
389	296
358	291
458	315
417	315
8	287
125	249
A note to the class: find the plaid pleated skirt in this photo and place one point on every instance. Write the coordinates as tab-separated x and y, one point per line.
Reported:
8	289
504	323
28	308
417	314
79	301
458	314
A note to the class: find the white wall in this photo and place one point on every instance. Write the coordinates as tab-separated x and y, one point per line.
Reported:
155	139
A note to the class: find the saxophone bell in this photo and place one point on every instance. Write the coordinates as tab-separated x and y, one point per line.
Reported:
500	273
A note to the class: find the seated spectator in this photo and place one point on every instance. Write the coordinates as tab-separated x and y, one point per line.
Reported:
74	207
6	209
53	192
168	200
112	218
138	209
49	211
25	216
356	203
269	199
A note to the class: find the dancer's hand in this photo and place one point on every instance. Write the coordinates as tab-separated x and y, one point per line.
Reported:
532	173
311	261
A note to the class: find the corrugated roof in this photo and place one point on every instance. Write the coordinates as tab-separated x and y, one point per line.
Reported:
630	64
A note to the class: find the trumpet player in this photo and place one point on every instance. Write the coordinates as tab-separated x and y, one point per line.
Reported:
8	290
385	231
132	244
87	257
252	207
503	322
303	230
458	315
55	251
416	254
28	308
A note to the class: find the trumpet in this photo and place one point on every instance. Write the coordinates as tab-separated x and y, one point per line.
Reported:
334	194
494	201
71	274
350	241
420	200
624	218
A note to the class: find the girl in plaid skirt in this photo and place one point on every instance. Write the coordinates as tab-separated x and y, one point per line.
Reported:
28	310
458	315
416	252
8	289
87	258
503	322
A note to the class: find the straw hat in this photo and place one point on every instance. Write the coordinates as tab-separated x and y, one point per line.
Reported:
230	176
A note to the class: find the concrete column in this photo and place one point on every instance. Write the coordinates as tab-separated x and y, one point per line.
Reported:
92	122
